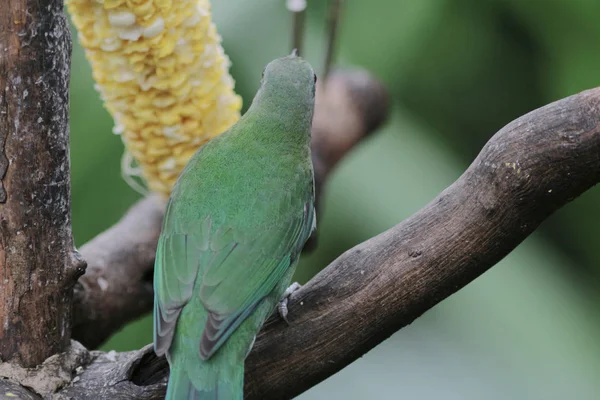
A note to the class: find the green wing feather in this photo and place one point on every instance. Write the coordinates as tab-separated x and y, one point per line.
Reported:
232	269
231	293
175	271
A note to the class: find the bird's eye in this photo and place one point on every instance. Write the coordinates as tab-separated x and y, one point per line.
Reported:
315	75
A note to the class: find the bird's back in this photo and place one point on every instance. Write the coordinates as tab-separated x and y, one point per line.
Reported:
235	224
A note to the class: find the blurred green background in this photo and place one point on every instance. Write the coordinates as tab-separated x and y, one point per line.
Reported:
457	72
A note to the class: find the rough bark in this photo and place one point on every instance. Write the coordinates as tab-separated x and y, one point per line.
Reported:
529	169
117	286
38	263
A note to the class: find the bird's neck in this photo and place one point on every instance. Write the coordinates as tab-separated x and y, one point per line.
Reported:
283	120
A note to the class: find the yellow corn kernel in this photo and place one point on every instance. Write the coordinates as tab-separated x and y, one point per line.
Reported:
163	76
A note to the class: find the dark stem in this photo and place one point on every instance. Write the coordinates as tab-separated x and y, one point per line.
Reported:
333	19
38	264
298	9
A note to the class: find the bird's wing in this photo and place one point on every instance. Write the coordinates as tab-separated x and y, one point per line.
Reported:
237	270
175	270
242	273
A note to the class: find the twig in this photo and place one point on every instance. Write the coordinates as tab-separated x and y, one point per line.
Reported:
298	9
333	19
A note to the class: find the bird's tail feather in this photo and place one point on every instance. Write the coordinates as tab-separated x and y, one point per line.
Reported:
181	388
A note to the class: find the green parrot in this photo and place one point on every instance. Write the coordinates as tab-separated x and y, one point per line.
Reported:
235	224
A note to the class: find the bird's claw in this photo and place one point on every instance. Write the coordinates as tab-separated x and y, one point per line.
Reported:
282	306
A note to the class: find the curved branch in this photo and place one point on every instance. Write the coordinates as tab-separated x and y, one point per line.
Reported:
528	170
117	286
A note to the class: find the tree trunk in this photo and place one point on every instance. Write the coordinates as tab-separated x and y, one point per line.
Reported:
38	263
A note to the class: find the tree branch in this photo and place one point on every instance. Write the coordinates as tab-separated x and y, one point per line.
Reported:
38	263
528	170
117	286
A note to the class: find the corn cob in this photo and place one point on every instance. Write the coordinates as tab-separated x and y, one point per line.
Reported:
163	76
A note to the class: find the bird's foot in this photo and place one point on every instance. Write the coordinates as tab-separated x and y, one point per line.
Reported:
282	306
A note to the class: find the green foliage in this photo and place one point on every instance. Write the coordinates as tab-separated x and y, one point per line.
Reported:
458	71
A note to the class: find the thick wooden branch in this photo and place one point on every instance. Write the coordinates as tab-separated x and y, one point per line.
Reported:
528	170
38	263
117	286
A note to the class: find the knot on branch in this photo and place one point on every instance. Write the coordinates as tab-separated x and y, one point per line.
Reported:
131	375
48	378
